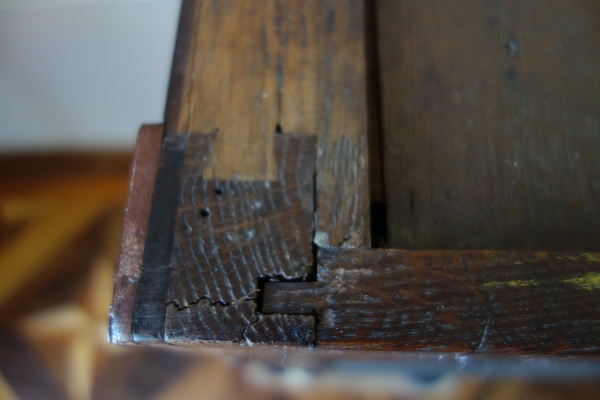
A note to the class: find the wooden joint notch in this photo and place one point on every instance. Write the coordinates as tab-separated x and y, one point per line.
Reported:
211	242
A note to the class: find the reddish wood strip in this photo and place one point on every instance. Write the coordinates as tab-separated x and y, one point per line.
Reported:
137	211
478	301
342	216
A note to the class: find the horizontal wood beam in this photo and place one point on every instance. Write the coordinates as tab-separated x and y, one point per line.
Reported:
473	301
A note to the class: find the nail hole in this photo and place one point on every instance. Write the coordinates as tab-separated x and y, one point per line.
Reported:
278	129
219	191
205	212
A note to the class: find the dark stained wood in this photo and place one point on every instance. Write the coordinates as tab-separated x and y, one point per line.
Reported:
282	329
137	211
237	323
491	123
231	233
292	297
490	135
151	297
259	67
468	301
227	237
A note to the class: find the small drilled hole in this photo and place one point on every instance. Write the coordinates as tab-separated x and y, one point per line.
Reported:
278	129
205	212
219	191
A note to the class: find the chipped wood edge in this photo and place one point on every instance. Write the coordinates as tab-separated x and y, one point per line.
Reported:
137	211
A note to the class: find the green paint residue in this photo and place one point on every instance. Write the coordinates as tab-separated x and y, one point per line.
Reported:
520	283
592	257
589	281
518	263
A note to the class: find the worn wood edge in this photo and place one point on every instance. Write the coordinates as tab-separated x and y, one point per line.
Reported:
151	299
180	66
137	210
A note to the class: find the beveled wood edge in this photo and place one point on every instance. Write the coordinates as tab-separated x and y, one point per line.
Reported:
137	211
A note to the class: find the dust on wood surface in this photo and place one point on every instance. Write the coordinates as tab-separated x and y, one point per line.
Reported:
137	211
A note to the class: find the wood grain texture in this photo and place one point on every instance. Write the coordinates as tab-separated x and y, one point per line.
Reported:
281	329
468	301
238	323
490	114
292	66
137	211
229	234
151	297
342	215
207	322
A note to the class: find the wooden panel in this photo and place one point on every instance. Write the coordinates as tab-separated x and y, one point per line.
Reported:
260	67
471	301
491	123
137	211
231	87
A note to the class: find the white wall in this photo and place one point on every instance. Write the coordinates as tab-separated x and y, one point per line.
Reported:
82	74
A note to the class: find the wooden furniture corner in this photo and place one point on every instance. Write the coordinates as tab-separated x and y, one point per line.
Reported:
301	138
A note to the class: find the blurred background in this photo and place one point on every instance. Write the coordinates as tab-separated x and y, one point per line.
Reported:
77	79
